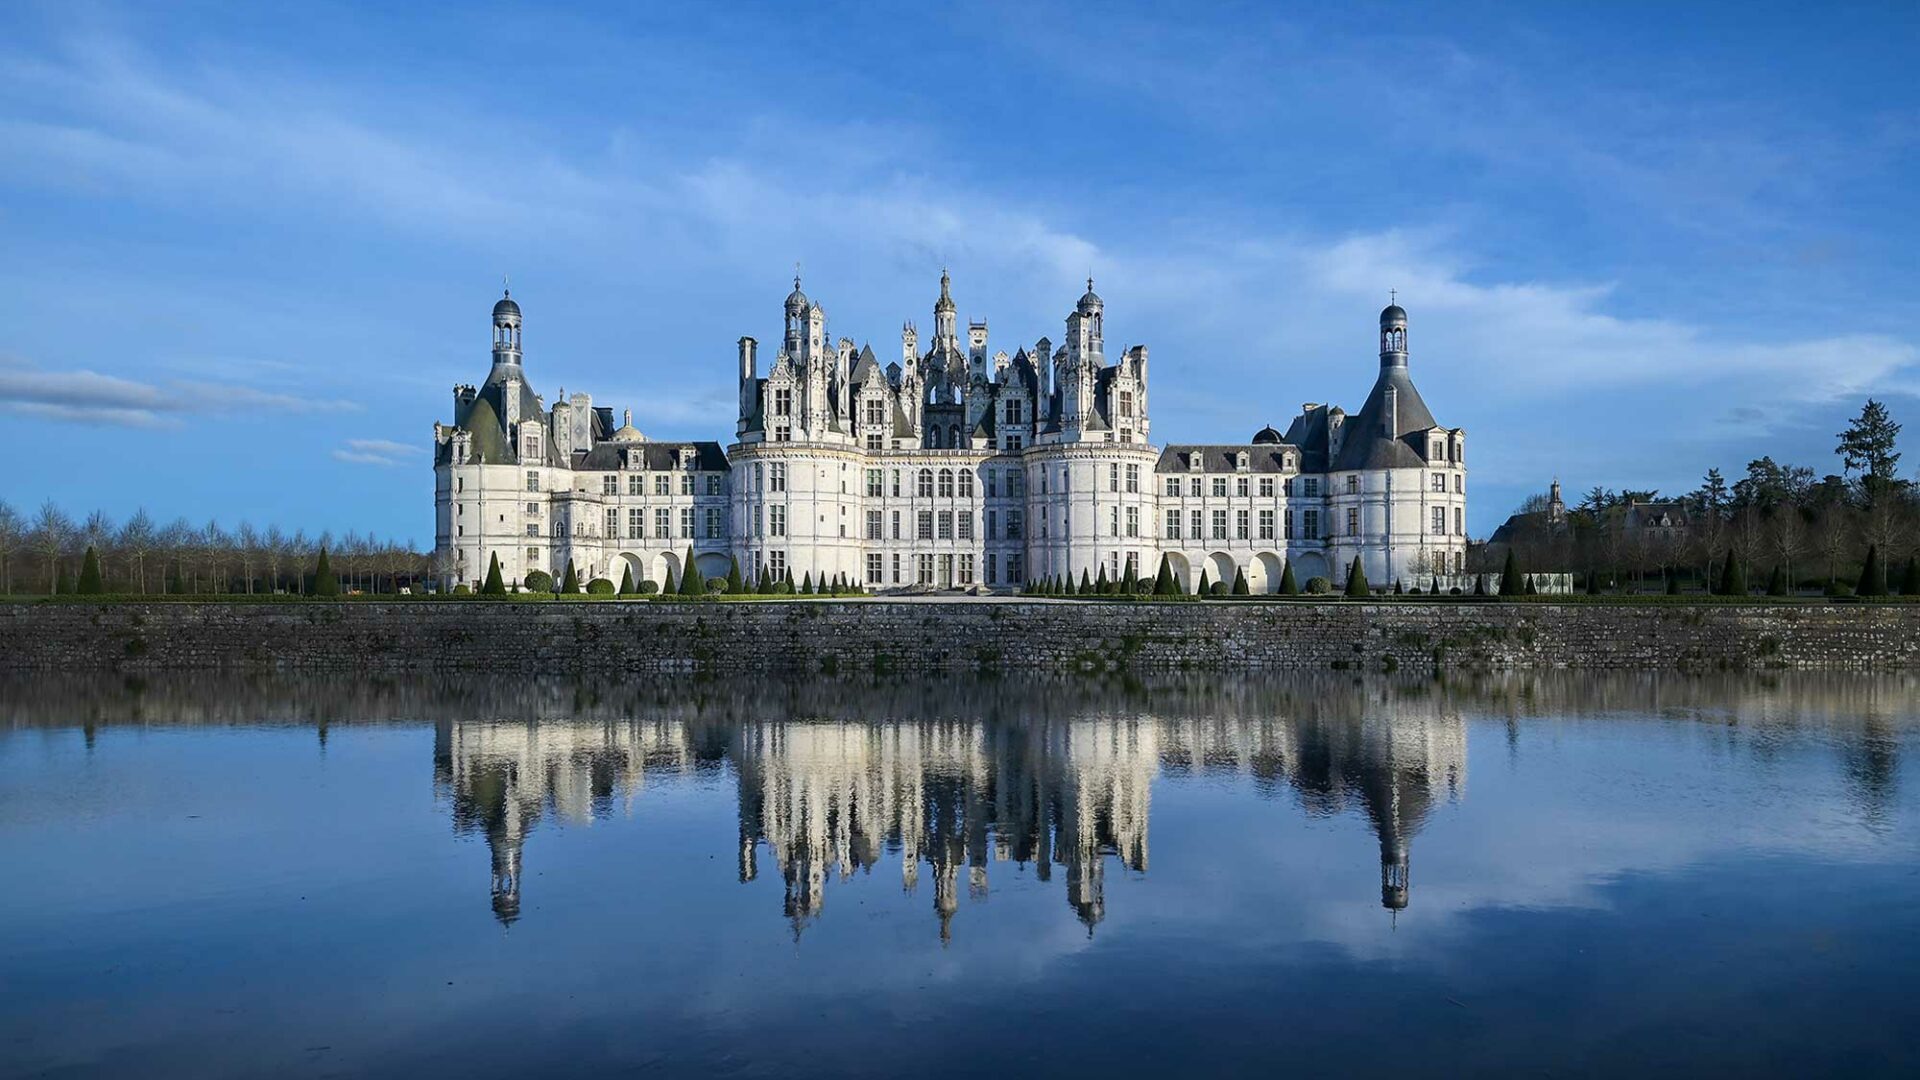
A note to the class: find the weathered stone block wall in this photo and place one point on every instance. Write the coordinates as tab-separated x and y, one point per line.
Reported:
905	636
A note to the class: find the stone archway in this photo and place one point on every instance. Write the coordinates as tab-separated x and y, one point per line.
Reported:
1263	573
665	564
1312	564
632	563
713	564
1222	567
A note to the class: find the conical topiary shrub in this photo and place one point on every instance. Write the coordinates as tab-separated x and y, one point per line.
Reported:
1288	586
90	584
672	585
626	581
691	583
735	583
1873	580
1357	579
570	581
325	583
492	586
1511	583
1163	578
1205	585
1240	583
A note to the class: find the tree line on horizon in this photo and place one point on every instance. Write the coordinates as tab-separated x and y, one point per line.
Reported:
1780	525
51	552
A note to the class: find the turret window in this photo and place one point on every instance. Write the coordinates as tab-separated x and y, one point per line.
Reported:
1133	479
1353	485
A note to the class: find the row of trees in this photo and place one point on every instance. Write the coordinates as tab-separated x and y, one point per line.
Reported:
42	551
1813	530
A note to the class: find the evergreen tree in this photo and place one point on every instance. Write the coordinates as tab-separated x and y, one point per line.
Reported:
1480	584
570	582
1240	583
90	584
1532	589
806	583
1101	586
1288	586
786	585
1777	581
626	581
493	586
1873	580
326	584
1867	447
735	583
765	586
691	583
1163	579
1733	580
1511	583
672	585
1398	589
1205	585
1129	583
1673	583
1357	579
1910	584
1086	583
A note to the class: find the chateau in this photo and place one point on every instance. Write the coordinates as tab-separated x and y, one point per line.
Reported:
949	467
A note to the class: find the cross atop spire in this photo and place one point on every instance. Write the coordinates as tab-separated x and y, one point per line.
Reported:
796	273
1393	296
506	287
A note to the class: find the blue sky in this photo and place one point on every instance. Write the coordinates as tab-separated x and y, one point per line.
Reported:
248	249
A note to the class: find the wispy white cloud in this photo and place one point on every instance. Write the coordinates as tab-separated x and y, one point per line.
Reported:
84	396
378	452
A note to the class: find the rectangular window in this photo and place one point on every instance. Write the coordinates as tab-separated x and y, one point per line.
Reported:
992	477
874	525
1219	524
777	564
686	523
875	483
1113	476
1240	486
1310	526
1126	403
946	483
533	554
1439	521
686	483
777	477
1015	441
662	484
946	524
1219	487
1313	487
533	530
1353	521
925	568
609	485
896	483
964	575
896	568
992	564
636	484
1133	521
1016	569
923	484
776	521
663	523
925	525
1194	526
1353	485
533	481
1014	524
1013	411
1266	524
1459	522
966	483
1240	525
875	568
1459	484
896	524
1439	481
1113	521
1016	483
1173	487
1266	487
713	483
783	401
1193	487
1133	478
1286	523
965	524
613	524
1173	524
636	523
713	523
993	524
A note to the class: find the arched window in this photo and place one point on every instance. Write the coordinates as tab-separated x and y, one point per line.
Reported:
925	485
946	483
953	436
933	437
966	483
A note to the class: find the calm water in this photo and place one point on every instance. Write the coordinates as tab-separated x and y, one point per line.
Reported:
1574	875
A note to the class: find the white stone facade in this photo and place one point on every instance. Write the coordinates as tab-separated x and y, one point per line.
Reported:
948	468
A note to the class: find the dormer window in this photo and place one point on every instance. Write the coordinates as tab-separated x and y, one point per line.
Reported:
1240	461
1195	461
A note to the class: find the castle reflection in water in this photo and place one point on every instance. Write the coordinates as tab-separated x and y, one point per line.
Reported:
959	777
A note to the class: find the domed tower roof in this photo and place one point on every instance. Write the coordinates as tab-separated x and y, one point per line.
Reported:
627	433
1393	315
945	303
797	302
506	310
1090	301
1266	436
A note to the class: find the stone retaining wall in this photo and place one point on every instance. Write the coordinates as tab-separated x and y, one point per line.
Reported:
906	636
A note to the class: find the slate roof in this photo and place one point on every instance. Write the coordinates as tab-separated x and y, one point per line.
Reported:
1264	458
661	455
1364	446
